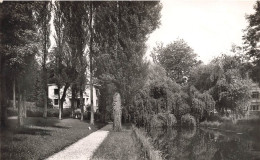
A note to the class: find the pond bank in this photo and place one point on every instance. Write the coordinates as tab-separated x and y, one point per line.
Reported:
119	145
147	147
248	128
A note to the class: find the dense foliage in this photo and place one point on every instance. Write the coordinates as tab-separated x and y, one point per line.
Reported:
225	80
106	42
252	41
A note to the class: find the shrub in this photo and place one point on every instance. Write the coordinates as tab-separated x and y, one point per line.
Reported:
226	119
77	113
188	120
163	120
12	112
210	124
35	112
87	115
66	112
53	112
214	117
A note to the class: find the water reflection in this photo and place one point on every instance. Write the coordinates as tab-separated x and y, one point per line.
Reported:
203	144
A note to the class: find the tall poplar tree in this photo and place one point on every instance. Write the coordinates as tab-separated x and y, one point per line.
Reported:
71	25
43	15
121	32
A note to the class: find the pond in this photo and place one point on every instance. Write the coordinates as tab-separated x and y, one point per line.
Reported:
206	144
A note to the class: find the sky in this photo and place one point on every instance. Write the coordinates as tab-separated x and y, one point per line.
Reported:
210	27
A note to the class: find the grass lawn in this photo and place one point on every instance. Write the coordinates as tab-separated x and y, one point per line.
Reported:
40	138
119	145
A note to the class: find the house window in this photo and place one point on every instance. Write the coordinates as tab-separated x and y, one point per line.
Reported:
56	101
56	91
255	95
254	107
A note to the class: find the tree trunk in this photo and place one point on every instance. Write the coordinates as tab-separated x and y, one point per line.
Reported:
104	114
73	95
3	113
45	101
61	109
14	98
91	66
1	77
62	100
45	52
104	109
81	104
24	106
45	95
91	103
117	112
20	110
59	102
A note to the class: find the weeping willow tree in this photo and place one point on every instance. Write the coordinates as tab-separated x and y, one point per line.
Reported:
159	101
162	102
201	103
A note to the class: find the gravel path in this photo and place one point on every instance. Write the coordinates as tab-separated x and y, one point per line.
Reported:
84	148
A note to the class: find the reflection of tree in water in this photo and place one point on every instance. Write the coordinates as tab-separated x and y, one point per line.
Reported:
188	133
184	143
173	143
203	147
200	145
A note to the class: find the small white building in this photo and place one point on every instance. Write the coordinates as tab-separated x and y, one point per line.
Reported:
53	95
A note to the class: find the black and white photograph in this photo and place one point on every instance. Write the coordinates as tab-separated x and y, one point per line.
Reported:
130	80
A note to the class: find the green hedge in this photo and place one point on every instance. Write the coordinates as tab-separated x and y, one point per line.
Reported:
38	112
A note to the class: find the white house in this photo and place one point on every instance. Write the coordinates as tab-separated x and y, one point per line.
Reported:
53	95
254	108
255	101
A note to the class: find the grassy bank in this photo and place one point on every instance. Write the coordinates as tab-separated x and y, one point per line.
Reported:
41	137
119	145
147	147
